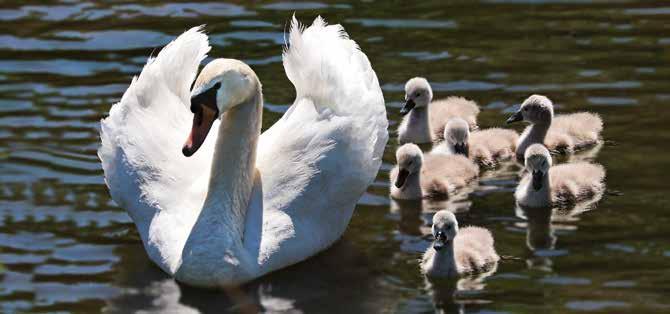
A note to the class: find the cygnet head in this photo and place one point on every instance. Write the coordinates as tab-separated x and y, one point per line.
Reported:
418	94
221	85
457	134
410	158
445	228
538	162
536	109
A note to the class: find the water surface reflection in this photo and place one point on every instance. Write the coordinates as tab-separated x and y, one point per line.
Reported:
66	247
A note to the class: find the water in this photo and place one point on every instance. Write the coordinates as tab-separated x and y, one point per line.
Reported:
66	247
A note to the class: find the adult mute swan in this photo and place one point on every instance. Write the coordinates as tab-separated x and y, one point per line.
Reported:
244	204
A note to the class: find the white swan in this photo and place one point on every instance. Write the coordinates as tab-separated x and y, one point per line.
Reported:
244	205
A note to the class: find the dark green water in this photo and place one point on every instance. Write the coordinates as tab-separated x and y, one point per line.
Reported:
66	247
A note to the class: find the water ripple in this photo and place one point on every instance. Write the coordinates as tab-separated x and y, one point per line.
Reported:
405	23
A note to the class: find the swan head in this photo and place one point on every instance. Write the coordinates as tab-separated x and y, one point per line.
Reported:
536	109
457	134
410	158
538	162
221	85
445	228
418	94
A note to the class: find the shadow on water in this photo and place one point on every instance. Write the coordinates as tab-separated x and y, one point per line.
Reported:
335	271
66	247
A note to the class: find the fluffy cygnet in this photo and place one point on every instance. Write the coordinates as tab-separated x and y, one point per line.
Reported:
431	176
561	133
423	120
486	147
456	252
544	185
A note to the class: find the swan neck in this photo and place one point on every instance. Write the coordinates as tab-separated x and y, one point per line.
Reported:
418	118
234	163
445	262
541	197
538	131
413	184
535	135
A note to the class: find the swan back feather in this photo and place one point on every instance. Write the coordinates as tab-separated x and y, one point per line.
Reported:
442	110
575	182
574	131
454	171
490	146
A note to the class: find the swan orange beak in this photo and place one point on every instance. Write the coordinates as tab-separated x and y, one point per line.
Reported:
203	119
205	112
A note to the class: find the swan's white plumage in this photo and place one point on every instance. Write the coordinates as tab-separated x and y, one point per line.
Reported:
314	163
335	132
141	149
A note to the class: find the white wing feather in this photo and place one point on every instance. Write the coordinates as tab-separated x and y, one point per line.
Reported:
324	152
143	135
